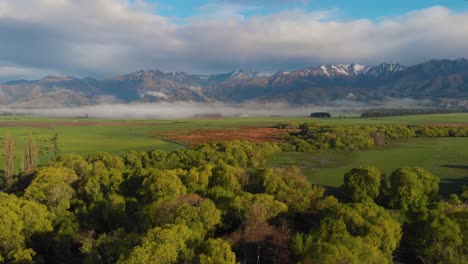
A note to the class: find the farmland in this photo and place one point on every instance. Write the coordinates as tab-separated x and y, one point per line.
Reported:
242	199
445	157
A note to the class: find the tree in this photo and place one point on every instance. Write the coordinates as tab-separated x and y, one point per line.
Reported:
77	163
161	246
160	185
31	154
259	242
217	251
243	203
227	177
109	248
197	178
9	160
200	215
55	145
411	187
52	187
101	204
435	237
362	184
291	187
20	220
351	233
346	249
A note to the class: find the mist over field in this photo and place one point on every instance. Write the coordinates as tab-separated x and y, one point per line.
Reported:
168	110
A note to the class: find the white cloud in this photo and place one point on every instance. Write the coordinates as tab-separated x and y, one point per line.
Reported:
105	37
14	72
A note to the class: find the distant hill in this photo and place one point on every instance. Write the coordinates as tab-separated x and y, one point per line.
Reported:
443	81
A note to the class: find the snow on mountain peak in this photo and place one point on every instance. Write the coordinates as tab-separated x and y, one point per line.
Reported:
358	67
337	69
246	73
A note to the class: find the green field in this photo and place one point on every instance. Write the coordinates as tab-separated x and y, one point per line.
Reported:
446	157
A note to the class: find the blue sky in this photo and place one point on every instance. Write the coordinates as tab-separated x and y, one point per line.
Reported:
348	9
102	38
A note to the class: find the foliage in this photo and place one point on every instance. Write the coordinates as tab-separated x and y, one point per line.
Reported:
52	186
313	136
349	233
291	187
220	203
434	236
362	184
412	187
161	245
217	251
20	220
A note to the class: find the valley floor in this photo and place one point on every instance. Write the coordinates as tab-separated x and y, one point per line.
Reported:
445	157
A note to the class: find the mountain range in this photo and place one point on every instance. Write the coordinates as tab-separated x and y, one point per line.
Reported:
441	81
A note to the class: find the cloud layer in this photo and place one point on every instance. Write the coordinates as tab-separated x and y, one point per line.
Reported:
101	38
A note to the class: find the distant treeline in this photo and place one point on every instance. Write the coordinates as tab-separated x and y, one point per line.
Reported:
405	112
312	136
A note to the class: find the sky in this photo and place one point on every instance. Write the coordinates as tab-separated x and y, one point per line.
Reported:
104	38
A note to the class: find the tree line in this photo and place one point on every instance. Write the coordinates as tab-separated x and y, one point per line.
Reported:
221	203
313	136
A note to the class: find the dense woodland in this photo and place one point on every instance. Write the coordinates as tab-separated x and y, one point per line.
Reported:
220	203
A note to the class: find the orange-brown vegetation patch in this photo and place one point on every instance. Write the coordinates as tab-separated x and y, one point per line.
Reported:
75	123
195	137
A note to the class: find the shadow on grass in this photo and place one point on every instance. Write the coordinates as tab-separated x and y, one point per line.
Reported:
452	185
460	167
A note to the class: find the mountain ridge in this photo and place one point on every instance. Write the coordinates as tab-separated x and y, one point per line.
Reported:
434	79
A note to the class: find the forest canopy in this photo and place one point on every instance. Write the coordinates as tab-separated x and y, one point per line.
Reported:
221	203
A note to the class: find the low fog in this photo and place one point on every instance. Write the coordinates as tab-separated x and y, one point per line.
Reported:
168	110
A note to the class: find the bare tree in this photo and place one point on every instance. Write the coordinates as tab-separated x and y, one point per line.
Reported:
31	154
23	162
9	160
55	146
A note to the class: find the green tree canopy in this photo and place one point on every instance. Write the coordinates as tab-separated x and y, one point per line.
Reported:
362	184
19	221
162	246
161	185
217	251
412	187
52	187
198	178
435	237
200	215
291	187
365	223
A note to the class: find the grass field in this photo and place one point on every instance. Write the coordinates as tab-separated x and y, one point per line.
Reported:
446	157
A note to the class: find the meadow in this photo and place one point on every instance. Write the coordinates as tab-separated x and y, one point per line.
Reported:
445	157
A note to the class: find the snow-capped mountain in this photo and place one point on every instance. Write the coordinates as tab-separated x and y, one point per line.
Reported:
383	69
432	79
352	70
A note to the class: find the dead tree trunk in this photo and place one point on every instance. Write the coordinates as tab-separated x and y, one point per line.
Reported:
31	154
9	160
